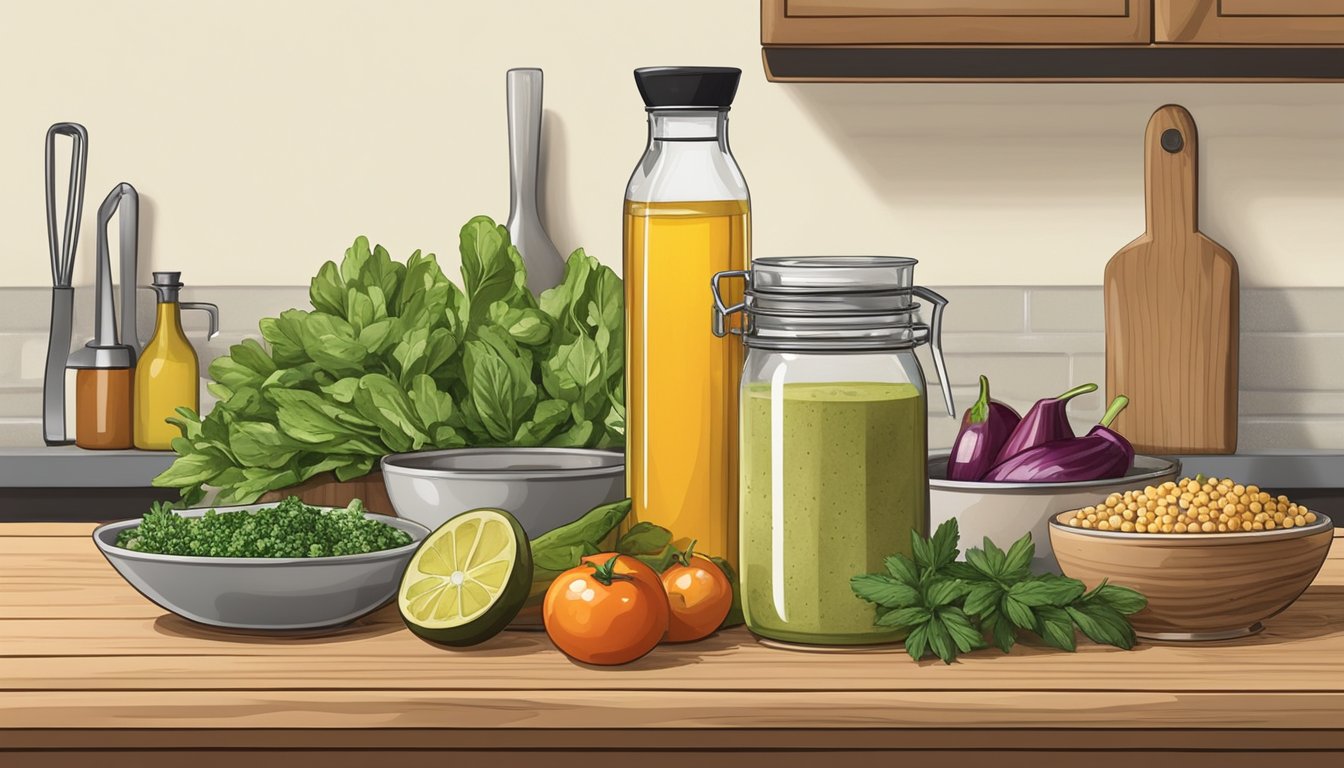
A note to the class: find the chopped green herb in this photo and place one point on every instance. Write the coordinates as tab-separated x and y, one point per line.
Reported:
289	529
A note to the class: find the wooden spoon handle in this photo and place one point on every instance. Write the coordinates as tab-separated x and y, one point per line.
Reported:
1171	172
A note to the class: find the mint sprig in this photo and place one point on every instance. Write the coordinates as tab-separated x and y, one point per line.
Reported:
948	607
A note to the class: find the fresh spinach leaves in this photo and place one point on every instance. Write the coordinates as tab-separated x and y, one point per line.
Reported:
395	357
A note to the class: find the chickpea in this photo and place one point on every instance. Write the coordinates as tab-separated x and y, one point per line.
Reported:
1212	505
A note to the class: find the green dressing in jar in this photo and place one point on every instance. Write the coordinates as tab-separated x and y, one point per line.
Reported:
839	501
834	438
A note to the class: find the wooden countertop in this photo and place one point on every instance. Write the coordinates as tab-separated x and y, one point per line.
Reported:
87	663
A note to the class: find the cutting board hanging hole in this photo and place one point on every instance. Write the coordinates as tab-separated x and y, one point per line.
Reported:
1172	141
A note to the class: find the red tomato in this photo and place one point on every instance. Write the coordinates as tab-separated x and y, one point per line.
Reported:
606	613
700	596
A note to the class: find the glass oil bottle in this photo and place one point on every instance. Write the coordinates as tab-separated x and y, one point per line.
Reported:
686	218
168	374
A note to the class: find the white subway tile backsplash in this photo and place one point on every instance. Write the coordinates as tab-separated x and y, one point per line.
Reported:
1293	310
993	310
1292	361
1069	310
1032	342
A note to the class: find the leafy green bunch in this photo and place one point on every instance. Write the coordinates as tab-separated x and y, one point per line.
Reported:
950	607
395	357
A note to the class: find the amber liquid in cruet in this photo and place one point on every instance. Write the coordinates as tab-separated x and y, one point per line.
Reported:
681	381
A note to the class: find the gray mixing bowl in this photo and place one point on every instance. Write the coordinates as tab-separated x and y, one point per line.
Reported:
263	593
543	487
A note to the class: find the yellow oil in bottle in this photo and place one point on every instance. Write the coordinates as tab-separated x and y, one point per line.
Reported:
681	381
166	378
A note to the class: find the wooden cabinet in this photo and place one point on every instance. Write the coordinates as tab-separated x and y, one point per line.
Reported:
1249	22
1053	40
961	22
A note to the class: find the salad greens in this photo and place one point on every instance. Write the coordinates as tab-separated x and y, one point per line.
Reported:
395	357
951	607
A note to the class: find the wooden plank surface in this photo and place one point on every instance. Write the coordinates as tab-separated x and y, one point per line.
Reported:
692	709
82	652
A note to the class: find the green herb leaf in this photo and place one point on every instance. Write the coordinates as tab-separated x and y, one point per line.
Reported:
1017	564
922	550
884	590
1018	613
983	597
917	642
940	640
943	545
960	629
1056	627
1046	589
1000	631
903	569
977	559
1123	599
943	592
995	560
961	570
1103	624
904	618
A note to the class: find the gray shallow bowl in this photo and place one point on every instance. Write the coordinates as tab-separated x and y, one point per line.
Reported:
543	487
1005	511
263	593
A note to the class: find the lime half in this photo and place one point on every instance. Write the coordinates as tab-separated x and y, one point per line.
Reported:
468	579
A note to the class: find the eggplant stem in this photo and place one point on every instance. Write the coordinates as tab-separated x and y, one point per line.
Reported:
1081	389
1117	405
980	410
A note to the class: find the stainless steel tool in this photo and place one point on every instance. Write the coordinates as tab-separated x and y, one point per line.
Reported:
545	267
62	273
110	349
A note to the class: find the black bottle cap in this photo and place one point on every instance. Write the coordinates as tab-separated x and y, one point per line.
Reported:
703	87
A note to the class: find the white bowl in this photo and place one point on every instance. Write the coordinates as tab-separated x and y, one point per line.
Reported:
263	593
1004	511
544	488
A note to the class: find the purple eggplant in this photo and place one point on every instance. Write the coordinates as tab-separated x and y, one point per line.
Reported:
1046	422
1101	454
985	427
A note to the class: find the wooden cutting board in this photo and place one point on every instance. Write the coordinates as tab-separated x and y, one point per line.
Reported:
1172	310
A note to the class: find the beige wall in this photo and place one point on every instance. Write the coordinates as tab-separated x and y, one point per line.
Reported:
265	135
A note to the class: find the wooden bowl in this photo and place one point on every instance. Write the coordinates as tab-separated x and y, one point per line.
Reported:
1212	586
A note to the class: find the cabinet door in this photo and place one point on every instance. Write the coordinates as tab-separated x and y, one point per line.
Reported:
940	22
1282	22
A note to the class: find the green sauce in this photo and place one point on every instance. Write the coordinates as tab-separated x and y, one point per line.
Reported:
831	497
